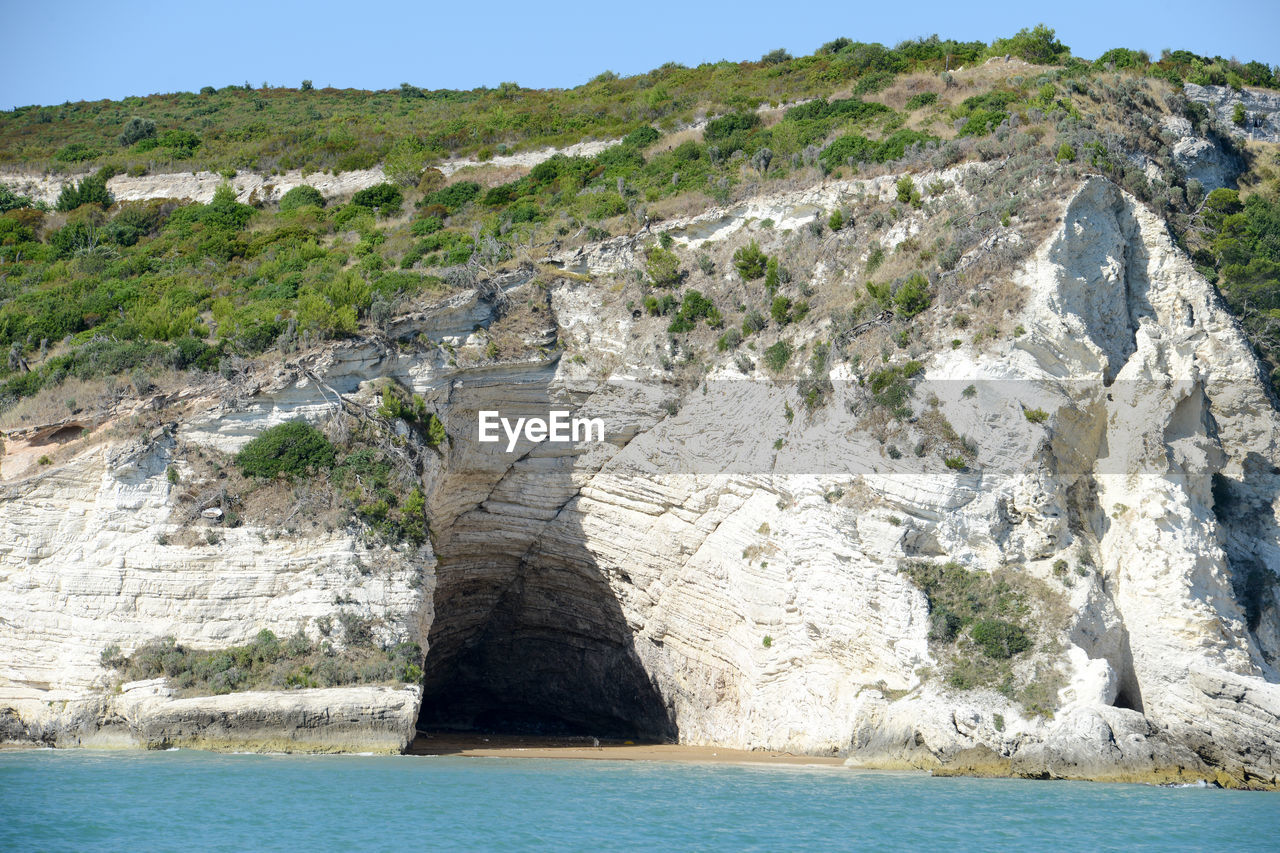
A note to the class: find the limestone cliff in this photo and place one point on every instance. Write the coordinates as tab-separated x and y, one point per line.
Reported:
730	567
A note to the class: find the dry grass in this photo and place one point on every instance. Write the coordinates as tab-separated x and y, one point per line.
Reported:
92	399
905	86
527	324
681	206
670	141
210	479
487	175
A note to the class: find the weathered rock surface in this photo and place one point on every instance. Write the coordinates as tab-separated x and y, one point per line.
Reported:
689	579
1202	158
1262	109
144	714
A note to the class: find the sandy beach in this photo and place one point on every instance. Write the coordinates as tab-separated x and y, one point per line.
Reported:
517	746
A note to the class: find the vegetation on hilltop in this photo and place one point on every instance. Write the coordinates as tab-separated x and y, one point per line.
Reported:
272	129
101	289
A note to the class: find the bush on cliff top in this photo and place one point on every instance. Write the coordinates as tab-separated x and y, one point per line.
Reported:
295	449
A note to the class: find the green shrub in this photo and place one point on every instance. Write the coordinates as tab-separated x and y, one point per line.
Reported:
268	662
223	212
92	190
780	310
835	221
729	132
385	198
778	356
921	99
301	196
854	148
426	225
750	261
1066	154
1037	45
772	276
136	130
453	197
641	137
9	200
959	598
695	307
295	449
76	152
912	296
1035	416
890	387
663	267
180	144
999	639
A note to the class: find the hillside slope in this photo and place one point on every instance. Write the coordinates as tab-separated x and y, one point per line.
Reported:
928	441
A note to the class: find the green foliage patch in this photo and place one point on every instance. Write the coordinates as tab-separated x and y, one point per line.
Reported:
268	662
295	449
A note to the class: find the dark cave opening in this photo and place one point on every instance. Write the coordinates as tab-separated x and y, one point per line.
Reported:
552	656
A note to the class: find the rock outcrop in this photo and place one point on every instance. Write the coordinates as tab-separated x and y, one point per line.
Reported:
727	569
1261	109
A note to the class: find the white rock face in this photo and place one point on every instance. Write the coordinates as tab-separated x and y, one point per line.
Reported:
1262	109
200	186
690	579
254	187
1201	158
84	563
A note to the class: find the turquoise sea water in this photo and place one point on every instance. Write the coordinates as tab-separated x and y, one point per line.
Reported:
186	800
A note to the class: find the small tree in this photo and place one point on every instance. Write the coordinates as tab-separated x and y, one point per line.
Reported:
405	162
224	212
835	221
135	130
663	267
772	277
92	190
780	310
1038	45
912	296
761	160
906	189
750	261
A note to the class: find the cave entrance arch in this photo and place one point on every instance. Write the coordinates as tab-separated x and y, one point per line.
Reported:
535	644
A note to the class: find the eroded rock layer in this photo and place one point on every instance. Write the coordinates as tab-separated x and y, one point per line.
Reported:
727	569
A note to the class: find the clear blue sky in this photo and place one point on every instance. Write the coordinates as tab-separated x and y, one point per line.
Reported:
74	50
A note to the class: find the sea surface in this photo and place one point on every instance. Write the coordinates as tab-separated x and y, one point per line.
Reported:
187	800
